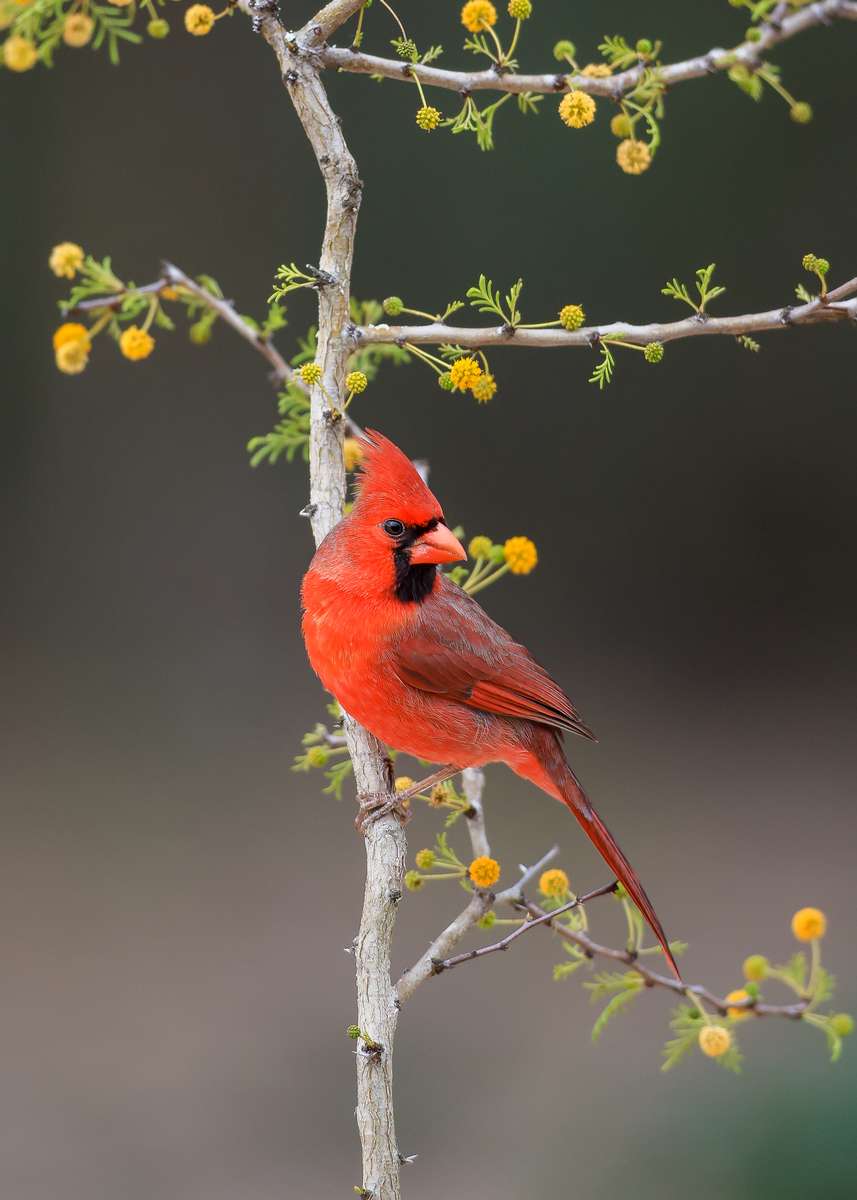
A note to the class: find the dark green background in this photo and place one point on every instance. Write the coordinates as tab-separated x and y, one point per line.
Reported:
175	901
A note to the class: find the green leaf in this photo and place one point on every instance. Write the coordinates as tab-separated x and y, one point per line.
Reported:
616	1004
603	373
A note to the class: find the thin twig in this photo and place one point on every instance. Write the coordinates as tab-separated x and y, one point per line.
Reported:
651	978
834	307
747	53
504	943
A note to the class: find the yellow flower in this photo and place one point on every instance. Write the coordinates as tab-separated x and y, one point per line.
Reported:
571	316
633	157
554	883
199	20
484	871
352	452
169	293
484	388
120	3
521	555
310	373
428	118
356	381
714	1040
19	53
577	109
136	343
478	15
809	924
425	859
597	70
72	357
755	967
66	259
464	372
739	1014
480	547
403	783
77	29
71	331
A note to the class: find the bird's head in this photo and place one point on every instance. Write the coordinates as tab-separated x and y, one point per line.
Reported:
396	534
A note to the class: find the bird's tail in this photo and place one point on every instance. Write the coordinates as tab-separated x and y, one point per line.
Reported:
572	794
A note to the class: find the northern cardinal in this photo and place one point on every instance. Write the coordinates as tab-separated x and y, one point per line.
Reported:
422	666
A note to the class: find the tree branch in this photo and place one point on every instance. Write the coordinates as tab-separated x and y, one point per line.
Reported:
834	307
377	1006
716	60
651	978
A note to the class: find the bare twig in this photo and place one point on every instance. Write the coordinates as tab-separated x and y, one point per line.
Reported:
651	978
747	53
504	943
835	306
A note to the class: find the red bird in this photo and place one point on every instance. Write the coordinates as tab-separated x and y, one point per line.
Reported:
420	664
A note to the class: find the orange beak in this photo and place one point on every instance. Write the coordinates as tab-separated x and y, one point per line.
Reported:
439	545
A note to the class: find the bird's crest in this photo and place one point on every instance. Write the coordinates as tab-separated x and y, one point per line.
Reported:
389	484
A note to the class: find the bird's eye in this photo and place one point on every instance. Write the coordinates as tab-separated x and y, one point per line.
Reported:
394	528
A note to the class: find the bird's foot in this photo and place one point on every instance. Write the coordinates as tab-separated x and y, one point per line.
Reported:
375	805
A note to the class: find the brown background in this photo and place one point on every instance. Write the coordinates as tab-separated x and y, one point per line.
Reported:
175	901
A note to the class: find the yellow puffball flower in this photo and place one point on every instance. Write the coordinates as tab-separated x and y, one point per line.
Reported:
169	293
554	883
136	343
478	15
484	871
66	259
521	555
403	783
352	452
425	859
577	109
808	924
310	373
714	1040
19	53
199	20
464	373
356	381
597	70
480	546
77	29
71	331
738	1014
572	316
428	117
72	357
633	157
484	388
755	967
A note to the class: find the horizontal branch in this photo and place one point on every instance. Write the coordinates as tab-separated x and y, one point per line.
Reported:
836	306
652	978
616	86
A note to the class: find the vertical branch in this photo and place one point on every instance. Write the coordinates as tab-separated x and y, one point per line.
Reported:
377	1006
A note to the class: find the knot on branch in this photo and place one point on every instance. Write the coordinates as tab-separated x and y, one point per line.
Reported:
786	315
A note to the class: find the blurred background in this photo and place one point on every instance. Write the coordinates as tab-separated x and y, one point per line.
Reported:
175	900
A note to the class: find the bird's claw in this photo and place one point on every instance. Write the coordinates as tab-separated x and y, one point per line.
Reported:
375	805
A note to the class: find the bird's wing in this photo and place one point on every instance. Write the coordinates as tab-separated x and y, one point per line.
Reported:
456	651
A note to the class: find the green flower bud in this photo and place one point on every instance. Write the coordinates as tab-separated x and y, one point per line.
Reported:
157	28
200	333
755	967
353	1032
425	859
444	382
801	112
413	881
393	306
644	46
317	756
822	266
487	921
843	1024
653	352
753	34
564	49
